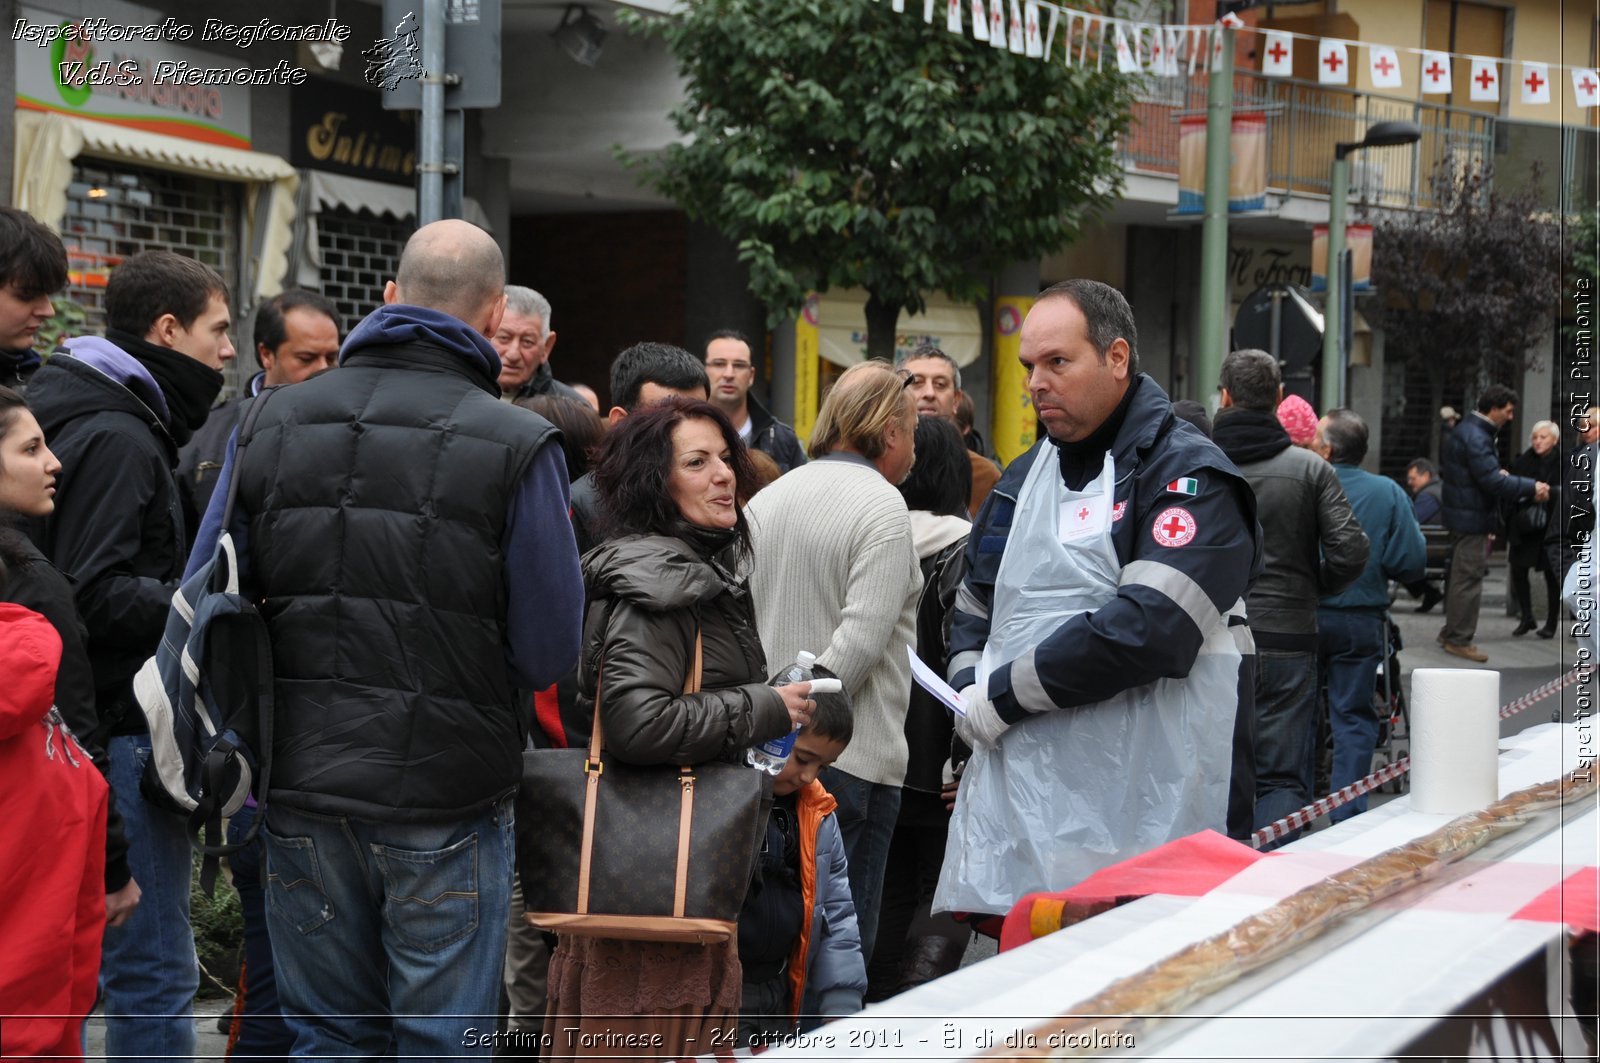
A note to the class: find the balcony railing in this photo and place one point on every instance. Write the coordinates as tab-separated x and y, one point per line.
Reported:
1304	122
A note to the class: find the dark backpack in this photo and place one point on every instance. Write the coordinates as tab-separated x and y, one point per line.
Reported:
207	695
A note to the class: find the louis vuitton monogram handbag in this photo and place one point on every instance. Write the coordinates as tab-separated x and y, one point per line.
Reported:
644	853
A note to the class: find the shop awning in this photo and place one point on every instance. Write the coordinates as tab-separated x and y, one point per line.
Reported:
47	142
360	194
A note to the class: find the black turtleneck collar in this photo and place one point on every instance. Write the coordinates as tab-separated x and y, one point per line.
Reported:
17	366
190	387
1082	461
1249	436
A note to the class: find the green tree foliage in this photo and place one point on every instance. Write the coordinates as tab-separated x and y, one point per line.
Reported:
838	143
1585	262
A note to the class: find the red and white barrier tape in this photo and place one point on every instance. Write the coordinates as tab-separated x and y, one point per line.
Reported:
1323	805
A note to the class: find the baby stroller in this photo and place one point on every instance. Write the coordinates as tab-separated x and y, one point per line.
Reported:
1389	699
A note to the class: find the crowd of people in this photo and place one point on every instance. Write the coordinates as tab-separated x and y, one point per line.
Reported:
459	558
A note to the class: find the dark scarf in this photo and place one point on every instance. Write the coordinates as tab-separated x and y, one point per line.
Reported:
190	387
17	365
709	544
1082	461
1248	436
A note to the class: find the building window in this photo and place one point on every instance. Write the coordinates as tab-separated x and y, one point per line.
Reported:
359	253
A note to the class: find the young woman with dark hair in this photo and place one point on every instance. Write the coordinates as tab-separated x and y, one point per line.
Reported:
670	478
53	803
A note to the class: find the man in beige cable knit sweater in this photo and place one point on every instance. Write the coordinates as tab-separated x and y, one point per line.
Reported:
835	574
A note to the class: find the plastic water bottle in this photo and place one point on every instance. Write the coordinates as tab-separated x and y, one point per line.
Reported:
769	756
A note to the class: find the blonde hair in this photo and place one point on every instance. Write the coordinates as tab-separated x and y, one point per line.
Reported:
1544	426
858	410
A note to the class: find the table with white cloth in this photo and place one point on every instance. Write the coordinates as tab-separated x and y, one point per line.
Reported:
1441	969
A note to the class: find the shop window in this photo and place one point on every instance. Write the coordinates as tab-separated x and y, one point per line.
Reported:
359	253
114	211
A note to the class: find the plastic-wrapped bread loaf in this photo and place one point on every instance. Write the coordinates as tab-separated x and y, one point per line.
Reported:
1204	967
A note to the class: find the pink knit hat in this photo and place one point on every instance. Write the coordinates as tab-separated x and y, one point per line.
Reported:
1298	419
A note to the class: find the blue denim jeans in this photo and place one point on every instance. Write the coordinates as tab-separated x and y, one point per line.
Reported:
1350	646
389	935
262	1032
1286	716
148	969
867	813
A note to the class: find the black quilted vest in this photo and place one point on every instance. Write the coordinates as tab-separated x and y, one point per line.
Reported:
377	497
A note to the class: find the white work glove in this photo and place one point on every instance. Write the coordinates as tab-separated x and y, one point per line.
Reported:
982	725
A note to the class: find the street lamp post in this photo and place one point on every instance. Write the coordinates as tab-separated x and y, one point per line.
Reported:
1380	135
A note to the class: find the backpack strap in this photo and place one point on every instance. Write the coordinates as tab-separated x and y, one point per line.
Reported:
205	822
247	431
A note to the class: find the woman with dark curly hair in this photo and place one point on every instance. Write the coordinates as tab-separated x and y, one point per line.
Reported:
670	478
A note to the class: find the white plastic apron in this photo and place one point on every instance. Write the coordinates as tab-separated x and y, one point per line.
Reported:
1070	791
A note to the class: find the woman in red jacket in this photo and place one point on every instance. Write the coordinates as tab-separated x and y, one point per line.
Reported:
52	821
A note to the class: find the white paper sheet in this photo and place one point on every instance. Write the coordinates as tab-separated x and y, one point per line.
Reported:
929	680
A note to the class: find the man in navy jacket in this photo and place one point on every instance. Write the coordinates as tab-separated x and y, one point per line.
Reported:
1474	487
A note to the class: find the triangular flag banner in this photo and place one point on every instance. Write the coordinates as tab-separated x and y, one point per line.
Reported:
1197	46
952	17
1126	63
1586	87
1535	83
980	18
1032	42
997	23
1277	59
1216	48
1050	34
927	10
898	5
1015	39
1435	73
1100	46
1384	66
1333	63
1485	78
1175	37
1232	21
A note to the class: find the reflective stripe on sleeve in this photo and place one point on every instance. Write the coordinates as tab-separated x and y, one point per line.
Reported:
1177	585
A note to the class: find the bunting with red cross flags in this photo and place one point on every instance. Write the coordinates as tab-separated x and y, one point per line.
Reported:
1586	87
1277	60
1485	79
1435	73
1384	67
1019	26
1535	83
1333	62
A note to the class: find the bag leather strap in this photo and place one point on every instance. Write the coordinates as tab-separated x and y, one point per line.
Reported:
593	769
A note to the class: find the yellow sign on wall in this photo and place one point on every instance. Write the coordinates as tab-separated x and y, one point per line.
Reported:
806	345
1014	420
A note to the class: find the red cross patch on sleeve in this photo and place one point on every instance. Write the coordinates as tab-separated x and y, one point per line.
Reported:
1174	527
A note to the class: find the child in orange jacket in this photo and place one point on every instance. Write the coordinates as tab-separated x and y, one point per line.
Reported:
799	942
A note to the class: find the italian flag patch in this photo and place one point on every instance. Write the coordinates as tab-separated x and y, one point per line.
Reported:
1184	485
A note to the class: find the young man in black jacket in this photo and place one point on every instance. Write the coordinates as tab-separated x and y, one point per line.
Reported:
116	410
33	264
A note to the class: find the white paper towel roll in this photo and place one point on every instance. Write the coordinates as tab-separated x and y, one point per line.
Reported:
1455	739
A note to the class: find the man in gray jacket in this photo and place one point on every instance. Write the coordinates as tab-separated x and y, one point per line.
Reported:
1313	548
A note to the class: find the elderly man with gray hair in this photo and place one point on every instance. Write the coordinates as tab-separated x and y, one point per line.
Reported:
524	341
